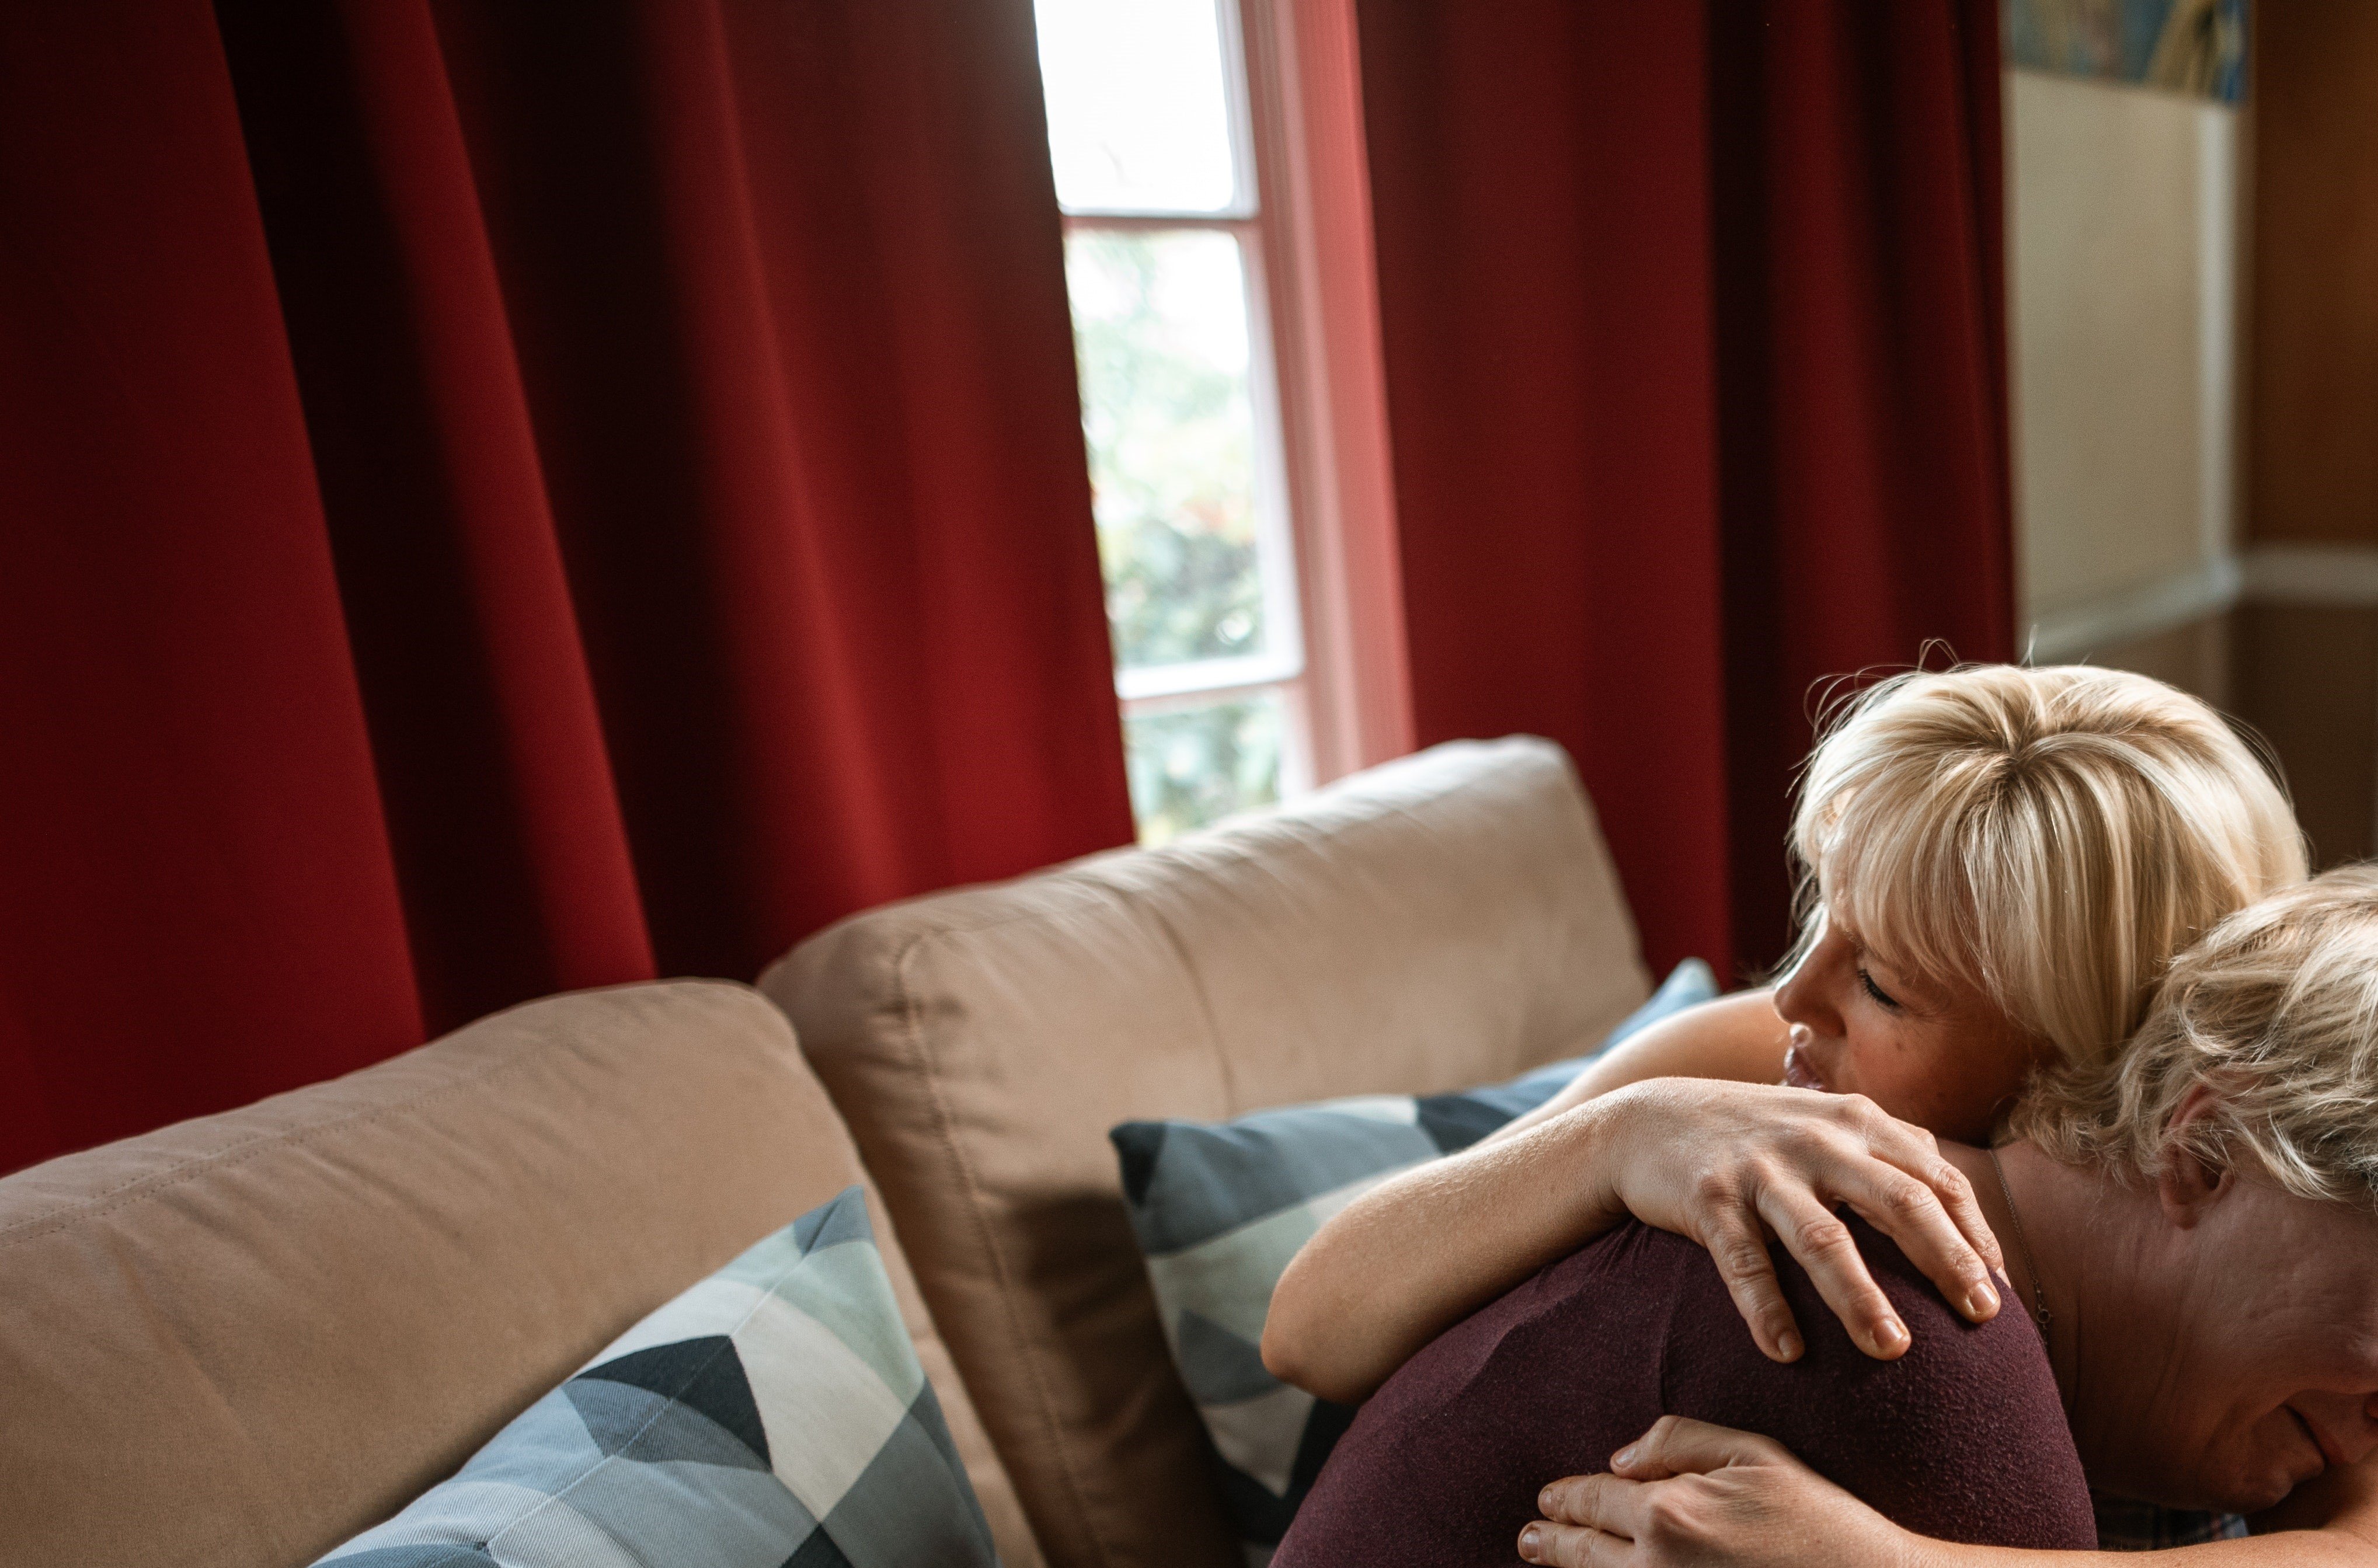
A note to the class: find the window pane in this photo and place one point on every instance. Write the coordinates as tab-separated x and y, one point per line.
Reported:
1193	766
1160	326
1137	118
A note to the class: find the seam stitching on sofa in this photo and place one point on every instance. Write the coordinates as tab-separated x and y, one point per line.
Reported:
150	1187
1204	1009
143	1189
911	1019
230	1149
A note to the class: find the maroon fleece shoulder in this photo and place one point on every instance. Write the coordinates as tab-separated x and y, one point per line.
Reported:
1962	1438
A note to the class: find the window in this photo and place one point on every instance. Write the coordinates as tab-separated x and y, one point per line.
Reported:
1209	489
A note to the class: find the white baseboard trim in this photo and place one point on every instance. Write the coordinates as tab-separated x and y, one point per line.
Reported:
2334	575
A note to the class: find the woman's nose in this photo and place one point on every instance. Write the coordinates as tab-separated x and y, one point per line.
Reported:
1806	996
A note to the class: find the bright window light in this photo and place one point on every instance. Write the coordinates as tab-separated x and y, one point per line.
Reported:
1193	765
1179	408
1160	326
1139	117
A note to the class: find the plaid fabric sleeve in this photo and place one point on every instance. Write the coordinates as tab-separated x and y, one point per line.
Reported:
2125	1525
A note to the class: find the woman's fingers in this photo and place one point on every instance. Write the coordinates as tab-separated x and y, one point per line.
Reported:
1815	1235
1784	1159
1913	1215
1738	1244
1608	1519
1588	1519
1689	1492
1573	1546
1918	1152
1678	1445
1957	1195
1612	1503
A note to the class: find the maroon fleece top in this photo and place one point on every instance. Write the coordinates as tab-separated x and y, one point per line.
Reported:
1963	1438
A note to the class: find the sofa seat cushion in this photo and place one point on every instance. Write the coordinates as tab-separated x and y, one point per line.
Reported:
1439	922
240	1340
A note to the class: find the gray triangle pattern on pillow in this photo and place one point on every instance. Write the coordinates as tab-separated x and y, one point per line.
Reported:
773	1415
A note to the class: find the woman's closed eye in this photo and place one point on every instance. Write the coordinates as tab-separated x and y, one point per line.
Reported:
1882	998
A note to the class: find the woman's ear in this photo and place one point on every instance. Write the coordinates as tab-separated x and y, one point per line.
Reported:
2191	1182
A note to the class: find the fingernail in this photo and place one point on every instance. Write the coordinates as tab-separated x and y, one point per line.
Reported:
1982	1302
1892	1334
1529	1541
1623	1457
1788	1345
1544	1500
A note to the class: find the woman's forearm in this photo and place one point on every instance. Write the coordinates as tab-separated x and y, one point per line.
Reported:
1418	1253
1736	1037
1690	1495
1721	1164
1423	1250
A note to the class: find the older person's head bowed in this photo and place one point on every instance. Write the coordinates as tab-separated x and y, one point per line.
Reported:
2204	1207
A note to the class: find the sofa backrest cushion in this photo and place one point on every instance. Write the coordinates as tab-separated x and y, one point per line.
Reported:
1423	927
242	1339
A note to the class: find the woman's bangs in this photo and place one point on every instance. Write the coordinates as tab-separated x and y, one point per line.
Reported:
1897	880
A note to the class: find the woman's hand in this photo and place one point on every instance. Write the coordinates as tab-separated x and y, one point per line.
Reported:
1730	1164
1725	1163
1690	1495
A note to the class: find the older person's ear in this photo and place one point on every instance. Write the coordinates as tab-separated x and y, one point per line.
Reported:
2192	1183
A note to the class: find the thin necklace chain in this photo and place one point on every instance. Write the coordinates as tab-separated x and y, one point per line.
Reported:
2030	1263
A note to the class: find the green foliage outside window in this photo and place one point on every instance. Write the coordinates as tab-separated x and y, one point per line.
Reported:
1160	332
1197	765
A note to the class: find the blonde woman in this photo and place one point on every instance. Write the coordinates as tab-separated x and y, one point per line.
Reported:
1997	864
2195	1223
2199	1225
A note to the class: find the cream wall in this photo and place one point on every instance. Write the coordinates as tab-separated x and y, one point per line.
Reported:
2123	290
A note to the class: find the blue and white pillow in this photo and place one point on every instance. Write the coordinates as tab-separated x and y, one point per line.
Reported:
774	1416
1220	1208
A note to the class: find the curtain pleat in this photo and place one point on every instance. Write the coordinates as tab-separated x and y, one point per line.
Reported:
1693	331
489	506
494	507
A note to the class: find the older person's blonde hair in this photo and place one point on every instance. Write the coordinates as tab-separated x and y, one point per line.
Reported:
2276	1014
2050	837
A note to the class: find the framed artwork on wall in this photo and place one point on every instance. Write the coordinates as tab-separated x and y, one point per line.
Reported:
2193	46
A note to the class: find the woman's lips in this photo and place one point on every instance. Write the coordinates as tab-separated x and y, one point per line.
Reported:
1797	1072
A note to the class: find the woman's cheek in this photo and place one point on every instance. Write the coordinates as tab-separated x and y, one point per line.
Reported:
1874	1061
1883	1066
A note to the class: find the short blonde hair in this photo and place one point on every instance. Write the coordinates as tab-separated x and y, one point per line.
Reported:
2276	1014
2050	837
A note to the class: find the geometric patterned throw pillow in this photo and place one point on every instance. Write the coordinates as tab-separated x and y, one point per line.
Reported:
772	1417
1219	1208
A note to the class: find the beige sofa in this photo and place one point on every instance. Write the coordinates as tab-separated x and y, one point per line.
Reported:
241	1339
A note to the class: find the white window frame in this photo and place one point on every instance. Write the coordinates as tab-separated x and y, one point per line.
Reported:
1303	71
1333	615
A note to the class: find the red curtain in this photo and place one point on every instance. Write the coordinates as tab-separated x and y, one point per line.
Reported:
1692	323
493	506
